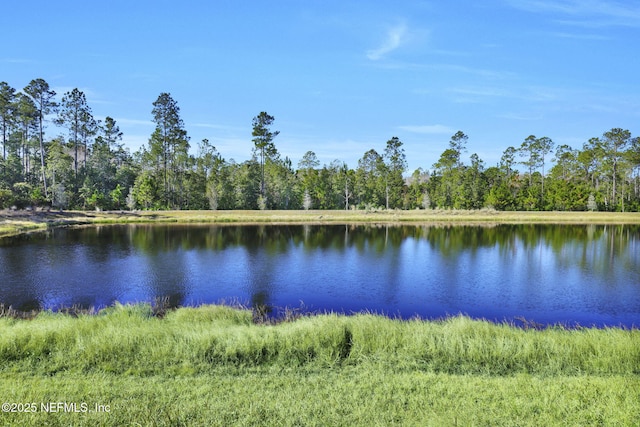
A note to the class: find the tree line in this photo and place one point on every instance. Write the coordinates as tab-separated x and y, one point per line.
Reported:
89	168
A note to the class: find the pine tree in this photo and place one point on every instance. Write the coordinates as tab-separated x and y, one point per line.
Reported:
75	114
168	148
264	147
7	114
42	97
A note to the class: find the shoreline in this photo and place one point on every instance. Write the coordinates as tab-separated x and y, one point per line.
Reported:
159	309
14	223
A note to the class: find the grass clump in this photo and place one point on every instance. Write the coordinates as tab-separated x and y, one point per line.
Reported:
124	338
212	365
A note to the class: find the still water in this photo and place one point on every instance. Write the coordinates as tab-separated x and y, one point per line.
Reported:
587	275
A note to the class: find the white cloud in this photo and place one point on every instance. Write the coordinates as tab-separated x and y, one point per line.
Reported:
396	36
428	129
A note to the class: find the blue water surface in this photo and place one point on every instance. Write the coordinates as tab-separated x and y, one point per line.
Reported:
539	274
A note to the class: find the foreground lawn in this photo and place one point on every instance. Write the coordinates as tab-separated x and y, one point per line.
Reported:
349	396
213	366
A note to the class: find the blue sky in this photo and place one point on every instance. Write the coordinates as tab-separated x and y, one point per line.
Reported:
341	77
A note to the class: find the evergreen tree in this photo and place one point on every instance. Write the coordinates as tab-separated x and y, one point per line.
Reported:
60	172
308	177
25	112
168	149
43	99
544	146
614	144
75	114
370	180
7	113
396	163
531	155
263	144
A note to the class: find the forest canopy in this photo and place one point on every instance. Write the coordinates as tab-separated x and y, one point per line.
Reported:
88	167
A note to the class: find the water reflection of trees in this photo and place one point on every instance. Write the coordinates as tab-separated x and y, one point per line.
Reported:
606	250
587	247
446	238
571	244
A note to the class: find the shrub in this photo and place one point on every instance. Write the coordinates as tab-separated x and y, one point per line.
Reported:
6	198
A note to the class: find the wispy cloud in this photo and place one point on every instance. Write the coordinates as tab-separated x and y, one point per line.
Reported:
454	68
216	127
16	61
427	129
395	38
134	122
207	126
61	90
476	94
589	13
481	94
481	72
135	141
93	98
342	149
577	36
520	117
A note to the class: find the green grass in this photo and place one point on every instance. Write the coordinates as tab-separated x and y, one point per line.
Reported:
351	396
212	365
13	227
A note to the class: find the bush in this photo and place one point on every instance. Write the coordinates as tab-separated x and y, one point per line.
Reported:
22	193
6	198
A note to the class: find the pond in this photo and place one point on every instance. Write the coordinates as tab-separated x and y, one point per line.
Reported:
548	274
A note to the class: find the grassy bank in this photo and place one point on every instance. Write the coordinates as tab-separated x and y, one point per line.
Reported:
212	365
12	223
